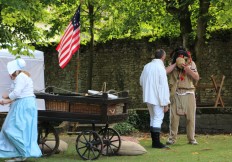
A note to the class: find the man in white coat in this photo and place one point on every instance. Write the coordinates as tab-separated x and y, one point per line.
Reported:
156	93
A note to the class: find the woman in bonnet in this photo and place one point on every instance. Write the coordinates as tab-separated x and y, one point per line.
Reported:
18	136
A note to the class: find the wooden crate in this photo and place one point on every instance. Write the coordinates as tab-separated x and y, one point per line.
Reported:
115	109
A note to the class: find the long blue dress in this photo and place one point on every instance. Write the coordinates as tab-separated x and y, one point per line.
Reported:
18	137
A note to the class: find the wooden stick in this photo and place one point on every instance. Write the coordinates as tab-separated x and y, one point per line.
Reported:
218	91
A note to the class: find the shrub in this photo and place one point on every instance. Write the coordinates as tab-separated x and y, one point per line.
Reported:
124	128
139	121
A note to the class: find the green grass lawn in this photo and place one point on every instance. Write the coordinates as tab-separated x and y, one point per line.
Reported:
211	148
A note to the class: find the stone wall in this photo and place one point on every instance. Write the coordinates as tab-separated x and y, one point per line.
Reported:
210	120
57	79
217	61
119	63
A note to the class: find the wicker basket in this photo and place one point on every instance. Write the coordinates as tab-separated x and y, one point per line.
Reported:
85	108
57	105
95	109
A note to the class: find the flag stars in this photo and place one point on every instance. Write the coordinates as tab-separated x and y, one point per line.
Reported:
76	19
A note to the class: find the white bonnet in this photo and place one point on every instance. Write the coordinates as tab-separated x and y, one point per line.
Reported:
14	65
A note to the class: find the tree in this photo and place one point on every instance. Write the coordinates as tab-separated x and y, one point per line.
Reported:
195	18
180	9
202	24
18	24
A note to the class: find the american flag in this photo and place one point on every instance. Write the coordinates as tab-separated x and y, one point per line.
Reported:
70	41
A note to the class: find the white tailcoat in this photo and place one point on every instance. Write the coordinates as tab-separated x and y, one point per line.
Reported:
154	83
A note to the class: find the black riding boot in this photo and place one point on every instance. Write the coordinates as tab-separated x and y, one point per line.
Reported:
156	140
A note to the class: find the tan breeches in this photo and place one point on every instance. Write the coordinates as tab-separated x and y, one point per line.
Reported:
187	105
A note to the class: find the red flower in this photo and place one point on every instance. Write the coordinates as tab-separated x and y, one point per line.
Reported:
181	78
182	75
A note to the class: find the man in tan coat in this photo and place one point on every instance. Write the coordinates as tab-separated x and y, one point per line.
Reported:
182	95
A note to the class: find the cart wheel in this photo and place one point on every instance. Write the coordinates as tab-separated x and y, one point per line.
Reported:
89	145
111	141
48	139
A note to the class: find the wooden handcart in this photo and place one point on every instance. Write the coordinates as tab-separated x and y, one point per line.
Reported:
98	109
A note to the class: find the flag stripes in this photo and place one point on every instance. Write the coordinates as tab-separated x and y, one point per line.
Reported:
70	42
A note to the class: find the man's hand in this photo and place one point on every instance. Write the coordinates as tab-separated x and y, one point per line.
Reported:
187	69
170	68
191	73
166	109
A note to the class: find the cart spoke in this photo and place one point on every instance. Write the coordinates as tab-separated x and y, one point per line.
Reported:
85	151
83	142
111	138
47	146
90	136
114	145
93	151
88	153
96	149
116	140
112	151
107	150
84	137
79	148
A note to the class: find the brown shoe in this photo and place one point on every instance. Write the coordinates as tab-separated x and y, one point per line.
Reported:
170	142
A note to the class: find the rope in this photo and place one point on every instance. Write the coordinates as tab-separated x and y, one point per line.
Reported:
43	90
56	88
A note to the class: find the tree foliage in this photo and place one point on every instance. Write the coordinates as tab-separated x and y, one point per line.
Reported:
137	18
221	15
25	23
17	29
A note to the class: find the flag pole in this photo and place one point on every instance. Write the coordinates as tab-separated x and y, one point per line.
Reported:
77	70
78	66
